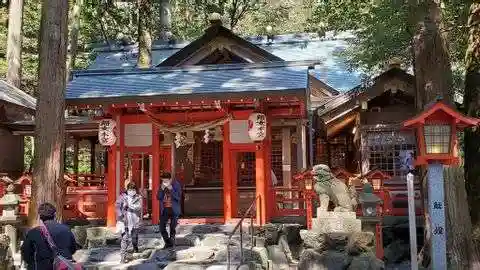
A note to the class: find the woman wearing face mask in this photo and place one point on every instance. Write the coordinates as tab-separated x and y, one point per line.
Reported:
129	210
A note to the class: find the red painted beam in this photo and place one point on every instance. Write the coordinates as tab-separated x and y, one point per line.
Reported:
208	102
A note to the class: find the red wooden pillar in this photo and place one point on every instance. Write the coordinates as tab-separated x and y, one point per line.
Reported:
155	175
379	240
269	189
263	184
121	139
227	162
111	186
309	214
234	183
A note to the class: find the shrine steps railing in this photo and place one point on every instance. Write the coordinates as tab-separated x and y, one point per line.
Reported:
239	227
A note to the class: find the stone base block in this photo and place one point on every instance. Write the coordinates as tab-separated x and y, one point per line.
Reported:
331	214
336	225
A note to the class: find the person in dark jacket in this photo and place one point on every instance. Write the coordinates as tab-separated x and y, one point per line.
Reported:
169	195
35	250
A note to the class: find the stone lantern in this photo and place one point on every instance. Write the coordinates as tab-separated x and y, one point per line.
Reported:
9	218
369	201
9	203
371	219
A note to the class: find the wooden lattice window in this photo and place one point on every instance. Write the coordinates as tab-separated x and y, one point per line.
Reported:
208	163
246	169
276	154
322	152
390	151
338	152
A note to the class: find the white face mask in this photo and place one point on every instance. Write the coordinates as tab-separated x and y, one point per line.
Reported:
166	181
131	192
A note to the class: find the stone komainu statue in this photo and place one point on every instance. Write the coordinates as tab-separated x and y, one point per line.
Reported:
329	188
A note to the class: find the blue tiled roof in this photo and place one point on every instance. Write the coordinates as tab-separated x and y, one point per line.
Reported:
128	58
293	47
196	80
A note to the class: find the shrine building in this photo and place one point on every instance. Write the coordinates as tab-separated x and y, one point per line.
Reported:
232	119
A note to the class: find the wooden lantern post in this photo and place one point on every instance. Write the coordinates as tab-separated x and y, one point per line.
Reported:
436	131
309	195
377	179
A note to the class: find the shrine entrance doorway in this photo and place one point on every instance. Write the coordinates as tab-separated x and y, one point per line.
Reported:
244	179
138	169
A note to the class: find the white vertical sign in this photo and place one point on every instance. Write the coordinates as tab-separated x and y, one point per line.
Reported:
436	207
412	221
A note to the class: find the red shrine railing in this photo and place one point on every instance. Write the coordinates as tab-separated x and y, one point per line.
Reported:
86	180
298	200
85	198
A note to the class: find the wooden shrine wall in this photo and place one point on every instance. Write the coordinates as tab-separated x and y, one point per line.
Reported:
12	147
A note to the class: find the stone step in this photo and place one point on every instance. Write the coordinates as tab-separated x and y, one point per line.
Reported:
191	229
214	266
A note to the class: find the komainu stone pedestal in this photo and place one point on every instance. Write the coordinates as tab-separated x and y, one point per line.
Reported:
336	222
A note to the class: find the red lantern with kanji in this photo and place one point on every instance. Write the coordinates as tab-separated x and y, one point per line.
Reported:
436	129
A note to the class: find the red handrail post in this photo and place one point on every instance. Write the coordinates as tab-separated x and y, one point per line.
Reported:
309	206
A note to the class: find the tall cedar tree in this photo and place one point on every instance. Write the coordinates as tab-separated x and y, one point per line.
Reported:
14	43
73	39
461	249
48	184
144	33
471	103
165	19
433	74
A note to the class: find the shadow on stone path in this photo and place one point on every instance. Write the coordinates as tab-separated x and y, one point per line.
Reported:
197	247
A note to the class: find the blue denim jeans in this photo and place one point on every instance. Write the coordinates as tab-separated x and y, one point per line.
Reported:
167	214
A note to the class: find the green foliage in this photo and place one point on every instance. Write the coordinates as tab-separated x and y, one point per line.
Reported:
106	22
383	30
27	153
31	26
283	16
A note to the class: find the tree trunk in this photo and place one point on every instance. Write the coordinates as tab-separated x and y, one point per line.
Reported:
432	63
462	252
471	102
14	43
433	77
48	184
74	29
144	33
165	19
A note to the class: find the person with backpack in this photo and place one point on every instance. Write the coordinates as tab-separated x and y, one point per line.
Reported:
129	212
51	245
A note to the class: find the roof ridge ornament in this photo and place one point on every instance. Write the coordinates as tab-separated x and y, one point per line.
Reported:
394	62
215	19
